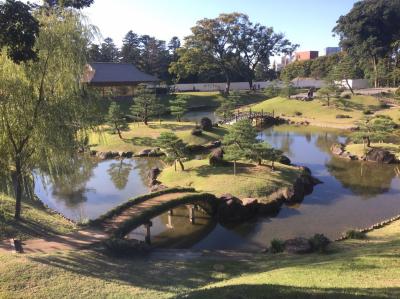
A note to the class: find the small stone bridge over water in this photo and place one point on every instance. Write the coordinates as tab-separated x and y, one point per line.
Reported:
258	118
121	220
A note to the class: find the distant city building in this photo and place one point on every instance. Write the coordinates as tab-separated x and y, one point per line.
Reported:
332	50
306	55
285	60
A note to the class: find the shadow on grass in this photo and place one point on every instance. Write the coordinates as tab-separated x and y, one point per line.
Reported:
281	291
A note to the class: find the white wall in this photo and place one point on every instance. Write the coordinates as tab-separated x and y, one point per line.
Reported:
221	86
307	82
354	83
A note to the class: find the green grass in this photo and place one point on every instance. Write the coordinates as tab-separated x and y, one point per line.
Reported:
37	221
354	269
394	113
317	113
358	149
250	181
212	99
139	136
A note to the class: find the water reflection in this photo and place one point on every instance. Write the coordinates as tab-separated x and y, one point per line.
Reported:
85	191
173	229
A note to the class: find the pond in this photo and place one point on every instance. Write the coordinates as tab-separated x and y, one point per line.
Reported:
92	187
353	195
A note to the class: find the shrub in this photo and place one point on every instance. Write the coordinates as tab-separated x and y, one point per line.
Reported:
197	132
319	242
343	116
367	112
123	247
298	113
271	91
206	124
347	97
397	92
383	105
277	246
355	234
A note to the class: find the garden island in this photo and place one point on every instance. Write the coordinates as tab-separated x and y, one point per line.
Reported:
229	165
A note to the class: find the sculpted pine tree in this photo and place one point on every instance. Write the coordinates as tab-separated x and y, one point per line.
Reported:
179	106
116	119
174	147
145	104
42	108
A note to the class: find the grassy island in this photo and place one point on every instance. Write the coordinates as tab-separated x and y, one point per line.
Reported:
250	181
341	113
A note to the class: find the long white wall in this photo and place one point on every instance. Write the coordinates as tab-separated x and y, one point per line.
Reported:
301	83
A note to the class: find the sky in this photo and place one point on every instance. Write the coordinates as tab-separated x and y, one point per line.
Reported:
305	22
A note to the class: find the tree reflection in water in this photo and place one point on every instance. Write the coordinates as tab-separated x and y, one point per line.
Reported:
119	173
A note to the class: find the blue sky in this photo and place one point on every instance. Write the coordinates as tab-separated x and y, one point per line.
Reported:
306	22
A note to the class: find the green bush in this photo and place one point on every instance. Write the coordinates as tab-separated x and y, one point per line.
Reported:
367	112
347	97
277	246
397	92
343	116
355	234
271	91
298	113
319	242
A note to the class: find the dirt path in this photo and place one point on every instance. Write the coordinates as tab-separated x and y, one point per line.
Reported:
83	238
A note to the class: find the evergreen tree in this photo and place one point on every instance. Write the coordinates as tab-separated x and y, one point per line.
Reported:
174	148
145	104
179	106
116	118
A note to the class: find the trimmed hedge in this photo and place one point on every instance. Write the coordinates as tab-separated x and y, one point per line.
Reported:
134	201
133	223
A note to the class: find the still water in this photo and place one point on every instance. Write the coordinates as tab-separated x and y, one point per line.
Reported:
353	195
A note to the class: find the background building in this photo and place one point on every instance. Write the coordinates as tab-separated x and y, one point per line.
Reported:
306	55
332	50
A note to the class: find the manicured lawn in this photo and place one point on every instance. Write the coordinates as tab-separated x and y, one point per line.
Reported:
318	113
139	136
250	181
358	149
213	98
36	220
354	269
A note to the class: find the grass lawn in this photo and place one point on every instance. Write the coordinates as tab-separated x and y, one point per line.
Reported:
358	149
318	113
139	136
213	98
37	221
394	113
354	269
250	180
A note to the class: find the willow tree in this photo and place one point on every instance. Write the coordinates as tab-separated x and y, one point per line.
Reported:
42	108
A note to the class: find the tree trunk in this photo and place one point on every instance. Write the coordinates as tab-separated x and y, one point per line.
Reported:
228	84
349	86
119	133
250	80
328	101
145	120
259	161
234	168
175	165
181	164
375	72
17	184
273	165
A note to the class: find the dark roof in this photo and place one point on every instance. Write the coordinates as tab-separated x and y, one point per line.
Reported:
117	73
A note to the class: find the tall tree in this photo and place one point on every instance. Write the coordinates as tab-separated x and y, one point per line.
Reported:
79	4
255	44
108	51
94	53
42	107
130	51
18	30
370	30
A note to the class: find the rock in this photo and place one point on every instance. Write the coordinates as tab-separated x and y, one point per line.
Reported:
93	153
149	153
206	124
159	187
338	149
195	148
106	155
125	154
154	182
284	160
154	173
249	201
217	157
297	245
226	197
213	144
380	156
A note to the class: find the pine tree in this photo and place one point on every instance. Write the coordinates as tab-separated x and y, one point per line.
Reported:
173	146
145	104
179	106
116	119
